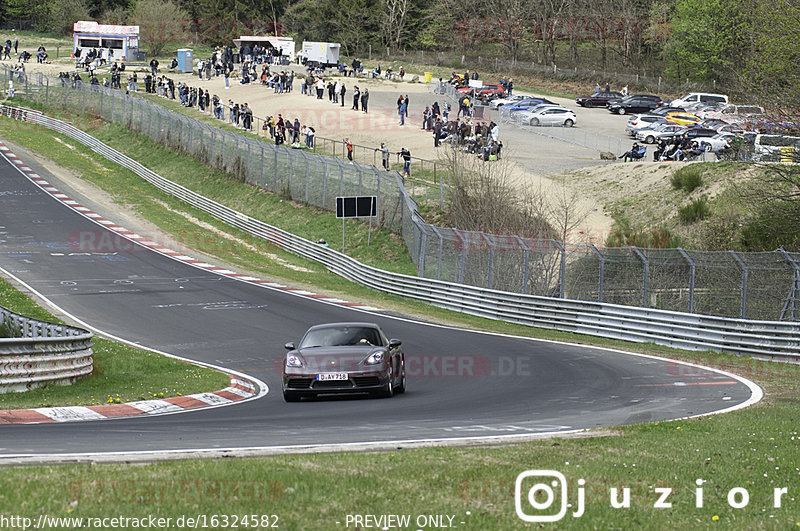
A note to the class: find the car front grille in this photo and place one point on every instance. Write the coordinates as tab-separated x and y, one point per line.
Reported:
366	381
299	383
333	384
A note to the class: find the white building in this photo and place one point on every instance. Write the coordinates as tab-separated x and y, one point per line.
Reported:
120	42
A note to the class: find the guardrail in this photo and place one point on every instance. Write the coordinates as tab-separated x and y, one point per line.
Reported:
774	340
45	353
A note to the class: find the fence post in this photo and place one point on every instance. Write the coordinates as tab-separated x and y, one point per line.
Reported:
308	173
462	257
324	181
794	291
645	276
261	176
491	260
690	261
745	272
562	270
439	252
600	271
525	266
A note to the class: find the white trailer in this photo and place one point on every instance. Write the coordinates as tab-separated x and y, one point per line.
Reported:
321	53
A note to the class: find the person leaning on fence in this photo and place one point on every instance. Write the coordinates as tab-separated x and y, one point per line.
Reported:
384	155
406	155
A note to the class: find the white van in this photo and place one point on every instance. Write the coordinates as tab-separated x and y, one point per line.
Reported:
697	97
768	147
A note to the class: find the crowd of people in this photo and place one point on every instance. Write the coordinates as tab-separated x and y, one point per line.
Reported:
255	67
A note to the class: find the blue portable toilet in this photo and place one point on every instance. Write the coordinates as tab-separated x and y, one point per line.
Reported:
185	60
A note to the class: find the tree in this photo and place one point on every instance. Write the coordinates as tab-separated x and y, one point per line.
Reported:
771	66
709	40
395	13
60	15
160	22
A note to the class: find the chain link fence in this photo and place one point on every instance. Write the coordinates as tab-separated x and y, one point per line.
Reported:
763	286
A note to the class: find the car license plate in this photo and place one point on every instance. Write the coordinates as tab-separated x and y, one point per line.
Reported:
331	376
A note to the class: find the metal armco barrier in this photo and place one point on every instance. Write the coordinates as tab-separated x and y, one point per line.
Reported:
774	340
47	353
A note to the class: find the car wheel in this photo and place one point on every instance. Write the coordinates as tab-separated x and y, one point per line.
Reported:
621	110
588	104
401	387
388	389
534	121
289	396
709	148
569	123
650	140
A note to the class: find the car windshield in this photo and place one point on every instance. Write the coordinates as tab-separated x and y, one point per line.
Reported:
341	336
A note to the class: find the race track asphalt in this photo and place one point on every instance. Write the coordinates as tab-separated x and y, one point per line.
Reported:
461	383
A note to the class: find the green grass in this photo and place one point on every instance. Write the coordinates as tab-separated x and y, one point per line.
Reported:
688	178
121	373
696	210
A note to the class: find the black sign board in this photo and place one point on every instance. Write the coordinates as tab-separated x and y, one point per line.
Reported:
363	206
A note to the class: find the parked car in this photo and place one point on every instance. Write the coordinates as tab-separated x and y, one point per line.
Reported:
635	104
343	358
550	115
664	110
696	97
768	147
487	90
696	133
499	102
665	131
682	118
734	114
640	121
527	104
717	143
598	99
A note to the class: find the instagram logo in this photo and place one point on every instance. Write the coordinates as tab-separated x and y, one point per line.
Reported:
537	493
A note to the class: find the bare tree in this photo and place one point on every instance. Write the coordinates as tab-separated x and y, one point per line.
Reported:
565	211
395	13
482	198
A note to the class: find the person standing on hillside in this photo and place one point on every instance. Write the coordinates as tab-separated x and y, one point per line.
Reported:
356	95
154	66
437	132
342	92
364	100
402	112
405	100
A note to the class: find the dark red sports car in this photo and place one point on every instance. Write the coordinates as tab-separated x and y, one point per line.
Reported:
343	358
598	99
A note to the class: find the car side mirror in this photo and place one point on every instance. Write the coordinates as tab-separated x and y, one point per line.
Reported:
289	345
394	343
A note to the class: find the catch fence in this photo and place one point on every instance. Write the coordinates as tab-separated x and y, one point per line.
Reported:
764	286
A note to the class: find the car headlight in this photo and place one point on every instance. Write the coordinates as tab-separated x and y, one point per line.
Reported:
293	360
375	358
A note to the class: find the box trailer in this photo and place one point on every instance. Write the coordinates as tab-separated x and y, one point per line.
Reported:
321	53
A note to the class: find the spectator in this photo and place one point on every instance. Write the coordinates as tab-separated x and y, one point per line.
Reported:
406	155
384	156
349	146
